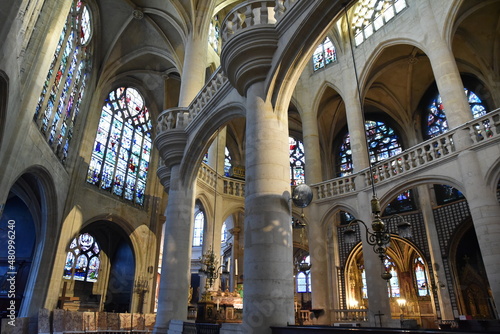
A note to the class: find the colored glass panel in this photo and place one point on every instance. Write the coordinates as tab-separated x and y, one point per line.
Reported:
383	143
64	86
82	259
324	54
122	148
436	116
297	161
421	278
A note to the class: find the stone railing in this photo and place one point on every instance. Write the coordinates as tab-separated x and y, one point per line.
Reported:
481	130
282	6
335	187
208	175
247	15
232	187
350	315
179	118
428	152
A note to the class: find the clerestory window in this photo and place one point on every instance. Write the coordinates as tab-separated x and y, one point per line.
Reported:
371	15
62	93
324	54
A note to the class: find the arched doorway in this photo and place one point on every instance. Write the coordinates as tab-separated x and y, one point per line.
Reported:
103	278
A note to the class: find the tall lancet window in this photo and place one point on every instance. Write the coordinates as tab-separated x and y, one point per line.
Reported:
122	148
324	54
421	278
297	161
214	34
64	87
82	259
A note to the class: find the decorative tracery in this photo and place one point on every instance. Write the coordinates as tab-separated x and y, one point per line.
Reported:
64	87
122	148
370	15
82	259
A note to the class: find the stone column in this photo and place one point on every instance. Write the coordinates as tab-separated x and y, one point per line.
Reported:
356	127
446	72
193	72
235	254
445	309
317	235
268	280
175	274
485	213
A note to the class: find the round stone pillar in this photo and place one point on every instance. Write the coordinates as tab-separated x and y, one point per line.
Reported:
175	268
268	266
446	73
356	126
445	309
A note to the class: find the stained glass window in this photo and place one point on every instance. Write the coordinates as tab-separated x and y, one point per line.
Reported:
402	203
324	54
297	161
304	278
224	234
122	148
383	143
199	222
82	259
64	87
436	116
370	15
214	33
227	162
364	288
393	283
421	278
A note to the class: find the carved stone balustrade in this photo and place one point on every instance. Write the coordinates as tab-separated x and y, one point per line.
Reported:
249	40
282	6
482	131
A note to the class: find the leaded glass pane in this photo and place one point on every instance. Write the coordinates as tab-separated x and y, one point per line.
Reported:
301	282
122	148
324	54
436	117
297	161
383	143
199	222
82	260
370	15
64	86
421	278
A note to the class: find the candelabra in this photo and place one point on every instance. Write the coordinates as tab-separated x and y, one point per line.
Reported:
141	286
211	269
380	236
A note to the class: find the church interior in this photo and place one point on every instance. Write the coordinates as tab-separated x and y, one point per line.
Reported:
249	165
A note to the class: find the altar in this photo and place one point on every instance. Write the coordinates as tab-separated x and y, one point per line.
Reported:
219	307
